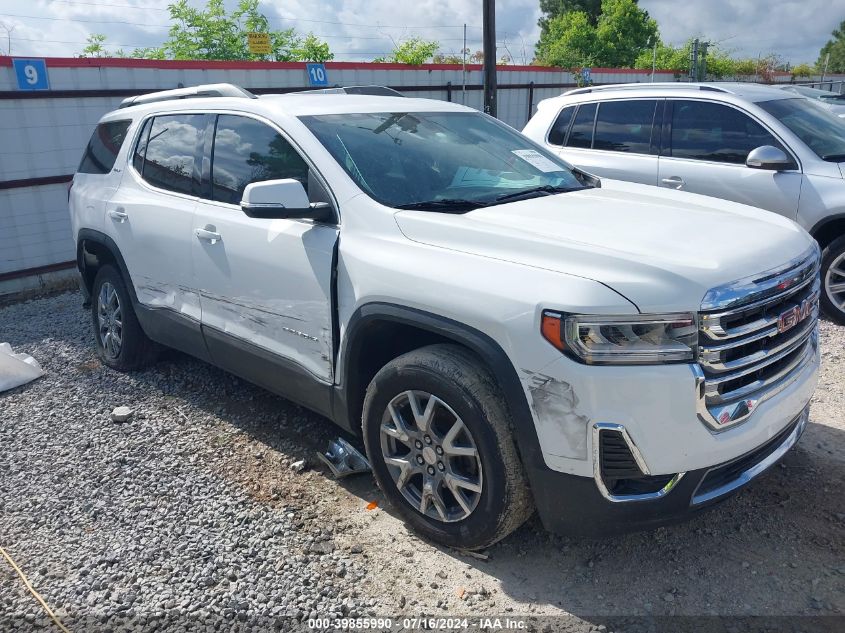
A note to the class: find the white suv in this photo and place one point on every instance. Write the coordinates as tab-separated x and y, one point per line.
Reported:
505	332
743	142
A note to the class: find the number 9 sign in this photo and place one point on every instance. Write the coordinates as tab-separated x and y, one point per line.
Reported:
31	74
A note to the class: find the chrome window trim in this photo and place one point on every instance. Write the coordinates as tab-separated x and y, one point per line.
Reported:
598	427
754	471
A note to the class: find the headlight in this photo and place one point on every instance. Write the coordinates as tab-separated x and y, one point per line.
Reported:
624	340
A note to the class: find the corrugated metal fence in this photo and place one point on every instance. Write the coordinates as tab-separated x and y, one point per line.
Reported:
42	134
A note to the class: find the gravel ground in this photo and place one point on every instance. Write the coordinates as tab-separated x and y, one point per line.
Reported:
190	517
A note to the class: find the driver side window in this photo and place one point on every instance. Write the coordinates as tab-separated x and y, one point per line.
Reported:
715	132
247	151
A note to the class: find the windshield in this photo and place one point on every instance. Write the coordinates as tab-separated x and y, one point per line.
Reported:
439	160
824	133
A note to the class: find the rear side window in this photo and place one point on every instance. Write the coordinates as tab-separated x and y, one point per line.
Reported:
103	147
246	151
715	132
169	161
557	135
624	126
581	134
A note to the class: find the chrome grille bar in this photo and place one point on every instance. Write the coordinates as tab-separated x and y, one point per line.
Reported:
754	346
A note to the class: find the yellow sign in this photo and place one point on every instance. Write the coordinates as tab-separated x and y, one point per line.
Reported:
259	43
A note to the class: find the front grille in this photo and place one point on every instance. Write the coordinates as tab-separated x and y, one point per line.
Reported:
760	334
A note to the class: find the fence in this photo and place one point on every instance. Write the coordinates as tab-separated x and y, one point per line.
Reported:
43	133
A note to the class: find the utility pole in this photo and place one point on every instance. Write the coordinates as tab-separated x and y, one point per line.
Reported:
654	61
693	61
824	70
464	70
489	37
8	30
703	55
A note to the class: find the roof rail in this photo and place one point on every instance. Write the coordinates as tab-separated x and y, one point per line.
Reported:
643	86
371	90
206	90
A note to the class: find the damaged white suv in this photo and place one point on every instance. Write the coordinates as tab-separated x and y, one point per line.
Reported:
505	332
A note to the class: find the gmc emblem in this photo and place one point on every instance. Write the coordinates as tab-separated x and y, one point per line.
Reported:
792	317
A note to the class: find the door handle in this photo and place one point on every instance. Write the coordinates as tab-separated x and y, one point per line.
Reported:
209	234
119	214
673	181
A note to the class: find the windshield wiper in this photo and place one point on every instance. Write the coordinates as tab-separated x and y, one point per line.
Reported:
449	205
834	158
535	191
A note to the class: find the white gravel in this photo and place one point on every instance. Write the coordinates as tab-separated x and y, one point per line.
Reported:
138	521
194	514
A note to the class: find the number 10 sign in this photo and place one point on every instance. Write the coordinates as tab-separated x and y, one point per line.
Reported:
31	74
317	75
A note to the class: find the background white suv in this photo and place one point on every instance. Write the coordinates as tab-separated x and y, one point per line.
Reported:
743	142
503	331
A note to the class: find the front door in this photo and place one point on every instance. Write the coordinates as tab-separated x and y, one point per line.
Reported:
265	285
705	153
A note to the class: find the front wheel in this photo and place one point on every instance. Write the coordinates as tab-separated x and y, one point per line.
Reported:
437	434
833	280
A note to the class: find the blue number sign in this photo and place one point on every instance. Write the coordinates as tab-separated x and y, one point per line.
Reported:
585	73
317	75
31	74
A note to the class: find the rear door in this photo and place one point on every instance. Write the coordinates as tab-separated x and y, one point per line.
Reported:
151	215
612	139
705	145
265	284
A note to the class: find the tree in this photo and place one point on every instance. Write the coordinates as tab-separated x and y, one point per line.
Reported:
212	33
554	8
570	41
415	51
622	32
312	49
835	47
803	70
95	46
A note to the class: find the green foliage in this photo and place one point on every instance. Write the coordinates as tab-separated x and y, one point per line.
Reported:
95	46
213	34
803	70
312	49
554	8
620	34
720	63
415	51
835	47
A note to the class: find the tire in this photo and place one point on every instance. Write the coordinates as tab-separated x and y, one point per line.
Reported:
833	274
120	341
467	398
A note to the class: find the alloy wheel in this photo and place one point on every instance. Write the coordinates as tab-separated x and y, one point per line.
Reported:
834	282
431	456
110	320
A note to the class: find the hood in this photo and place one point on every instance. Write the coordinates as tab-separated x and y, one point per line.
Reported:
661	249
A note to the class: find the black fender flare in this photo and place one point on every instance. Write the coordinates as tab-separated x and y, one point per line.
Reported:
487	349
91	235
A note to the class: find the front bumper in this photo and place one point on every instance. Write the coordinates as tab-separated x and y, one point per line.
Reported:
574	505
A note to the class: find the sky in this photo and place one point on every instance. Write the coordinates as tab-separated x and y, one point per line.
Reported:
359	30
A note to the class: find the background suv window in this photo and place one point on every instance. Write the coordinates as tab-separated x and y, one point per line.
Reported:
103	147
246	151
581	134
715	132
624	126
557	135
171	151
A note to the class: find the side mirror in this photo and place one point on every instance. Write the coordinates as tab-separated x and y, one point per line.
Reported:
769	157
282	200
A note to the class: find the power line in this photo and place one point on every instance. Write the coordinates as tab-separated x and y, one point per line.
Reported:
286	19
